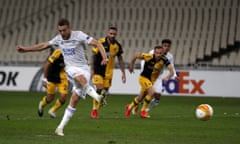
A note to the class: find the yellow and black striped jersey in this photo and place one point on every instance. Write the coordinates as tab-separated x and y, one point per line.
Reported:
56	69
112	50
152	68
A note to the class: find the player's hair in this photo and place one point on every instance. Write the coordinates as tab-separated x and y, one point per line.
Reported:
157	47
63	22
166	41
112	28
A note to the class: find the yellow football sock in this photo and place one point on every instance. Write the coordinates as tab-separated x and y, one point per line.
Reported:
57	105
43	101
134	103
99	105
146	102
95	104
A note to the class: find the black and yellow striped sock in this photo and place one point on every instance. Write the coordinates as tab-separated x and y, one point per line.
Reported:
146	102
134	103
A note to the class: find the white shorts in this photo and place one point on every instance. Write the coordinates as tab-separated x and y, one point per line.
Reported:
73	72
158	85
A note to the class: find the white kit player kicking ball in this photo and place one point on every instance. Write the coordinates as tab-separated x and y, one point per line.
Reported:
166	44
72	45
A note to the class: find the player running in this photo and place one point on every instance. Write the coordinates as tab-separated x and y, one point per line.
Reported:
154	63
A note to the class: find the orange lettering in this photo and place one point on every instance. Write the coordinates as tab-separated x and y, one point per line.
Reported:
183	82
197	86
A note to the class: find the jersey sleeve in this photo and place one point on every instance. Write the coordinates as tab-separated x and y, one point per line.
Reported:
146	56
95	50
166	61
143	62
120	52
54	41
55	55
85	38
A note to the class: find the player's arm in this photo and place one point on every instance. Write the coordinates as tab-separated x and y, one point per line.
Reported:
45	73
174	71
134	58
170	73
36	47
171	60
101	49
121	64
175	76
55	54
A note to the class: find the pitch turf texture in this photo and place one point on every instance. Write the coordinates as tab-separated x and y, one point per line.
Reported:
172	122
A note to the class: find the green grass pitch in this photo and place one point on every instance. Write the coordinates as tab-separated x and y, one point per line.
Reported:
172	122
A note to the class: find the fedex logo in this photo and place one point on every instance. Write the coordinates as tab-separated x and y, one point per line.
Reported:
184	85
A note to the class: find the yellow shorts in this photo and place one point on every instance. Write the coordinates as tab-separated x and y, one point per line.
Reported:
145	83
62	87
99	80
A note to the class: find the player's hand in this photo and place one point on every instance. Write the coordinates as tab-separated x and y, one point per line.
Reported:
165	79
131	68
104	61
44	84
20	48
124	78
177	78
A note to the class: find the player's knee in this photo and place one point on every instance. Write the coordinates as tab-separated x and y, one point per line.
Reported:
62	99
50	98
81	80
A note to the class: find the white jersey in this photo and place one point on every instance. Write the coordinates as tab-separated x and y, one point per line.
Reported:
73	48
75	59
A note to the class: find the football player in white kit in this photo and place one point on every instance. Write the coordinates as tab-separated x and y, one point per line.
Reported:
72	45
158	85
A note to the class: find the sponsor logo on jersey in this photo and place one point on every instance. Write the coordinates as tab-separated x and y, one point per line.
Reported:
69	51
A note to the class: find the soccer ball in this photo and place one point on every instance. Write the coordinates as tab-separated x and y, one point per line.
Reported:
204	112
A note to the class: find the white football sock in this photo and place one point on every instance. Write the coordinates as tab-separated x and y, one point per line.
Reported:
69	112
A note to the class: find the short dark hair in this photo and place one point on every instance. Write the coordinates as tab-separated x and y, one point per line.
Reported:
166	41
112	28
63	22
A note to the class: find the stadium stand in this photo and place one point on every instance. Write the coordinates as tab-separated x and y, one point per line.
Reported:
202	31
